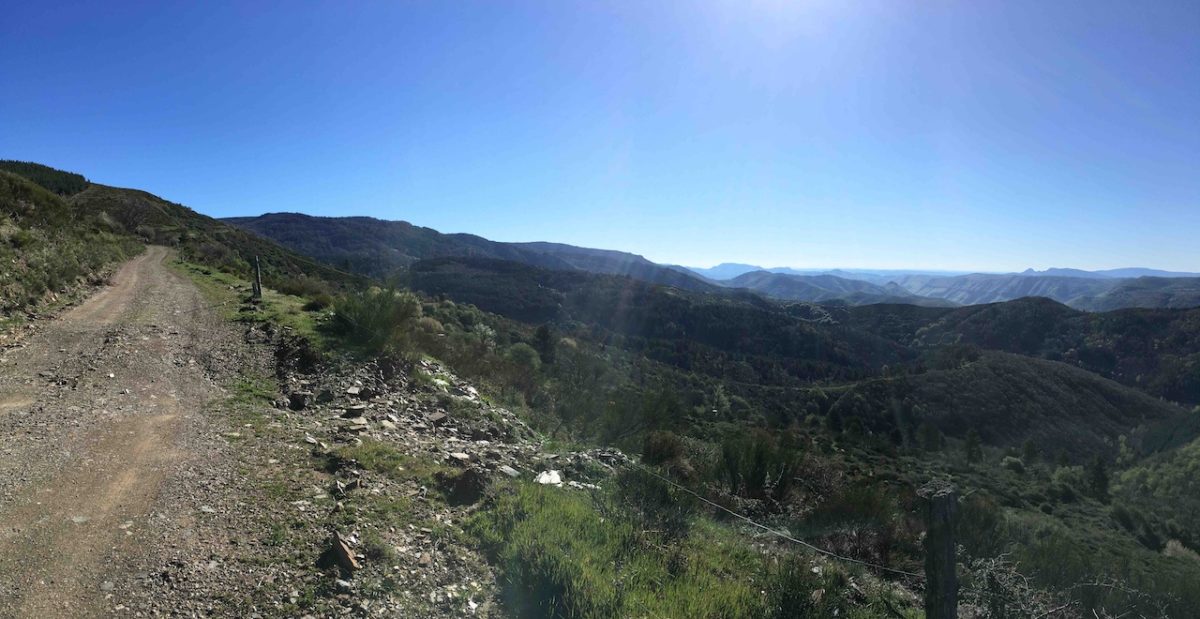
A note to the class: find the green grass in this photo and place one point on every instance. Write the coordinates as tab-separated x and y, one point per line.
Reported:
570	554
384	458
230	292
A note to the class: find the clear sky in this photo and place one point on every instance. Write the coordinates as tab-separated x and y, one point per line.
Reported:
888	134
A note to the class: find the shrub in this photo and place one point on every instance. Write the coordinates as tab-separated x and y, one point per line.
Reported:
655	505
980	520
376	320
794	590
1122	516
756	467
662	447
1013	464
930	437
972	446
318	302
303	286
428	324
1070	480
524	357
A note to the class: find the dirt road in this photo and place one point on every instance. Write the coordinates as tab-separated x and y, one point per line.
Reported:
99	412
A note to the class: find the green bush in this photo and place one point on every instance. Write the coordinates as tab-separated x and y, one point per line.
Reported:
662	447
793	590
377	321
318	302
1013	464
756	466
980	520
655	505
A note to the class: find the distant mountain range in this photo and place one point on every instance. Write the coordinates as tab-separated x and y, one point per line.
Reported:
730	270
1086	290
381	248
828	288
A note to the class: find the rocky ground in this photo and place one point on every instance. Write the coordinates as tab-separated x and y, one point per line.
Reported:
157	459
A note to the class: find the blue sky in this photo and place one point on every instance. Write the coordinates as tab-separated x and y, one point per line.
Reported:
884	134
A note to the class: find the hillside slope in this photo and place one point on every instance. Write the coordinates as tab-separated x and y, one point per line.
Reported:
199	237
1151	292
1084	290
828	288
379	248
46	246
1010	399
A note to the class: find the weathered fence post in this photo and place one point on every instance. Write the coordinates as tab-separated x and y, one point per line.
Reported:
941	581
256	291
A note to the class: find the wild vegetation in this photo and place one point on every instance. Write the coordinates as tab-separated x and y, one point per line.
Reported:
381	249
57	181
206	240
802	417
49	249
1071	436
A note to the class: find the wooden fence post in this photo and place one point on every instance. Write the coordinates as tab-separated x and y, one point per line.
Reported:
940	501
256	291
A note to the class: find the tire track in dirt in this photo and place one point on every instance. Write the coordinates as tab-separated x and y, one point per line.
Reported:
94	411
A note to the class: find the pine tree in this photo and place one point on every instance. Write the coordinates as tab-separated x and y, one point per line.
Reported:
834	421
930	437
973	446
1097	475
1029	452
543	342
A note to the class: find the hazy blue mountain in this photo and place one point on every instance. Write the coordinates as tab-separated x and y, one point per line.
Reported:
1125	273
1094	293
827	288
725	270
991	288
730	270
1059	272
1141	272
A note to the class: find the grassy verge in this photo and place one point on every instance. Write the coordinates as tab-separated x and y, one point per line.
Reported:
231	293
564	553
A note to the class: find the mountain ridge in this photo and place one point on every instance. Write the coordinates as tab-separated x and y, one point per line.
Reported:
381	248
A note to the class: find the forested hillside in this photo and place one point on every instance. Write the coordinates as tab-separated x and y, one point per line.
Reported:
200	237
1033	431
1155	350
59	230
381	248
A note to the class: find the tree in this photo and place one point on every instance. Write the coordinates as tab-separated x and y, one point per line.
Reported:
524	357
1062	459
544	343
930	437
1029	452
1125	453
1097	478
973	446
834	420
